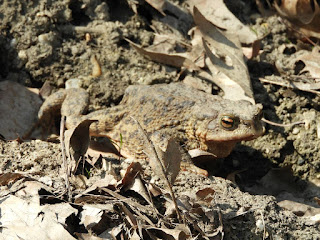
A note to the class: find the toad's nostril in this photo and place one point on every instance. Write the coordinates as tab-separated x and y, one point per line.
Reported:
248	123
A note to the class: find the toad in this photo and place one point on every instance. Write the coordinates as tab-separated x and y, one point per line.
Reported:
197	120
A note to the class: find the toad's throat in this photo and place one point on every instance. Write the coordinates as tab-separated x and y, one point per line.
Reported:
221	149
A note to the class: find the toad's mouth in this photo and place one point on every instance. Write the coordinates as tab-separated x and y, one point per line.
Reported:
235	136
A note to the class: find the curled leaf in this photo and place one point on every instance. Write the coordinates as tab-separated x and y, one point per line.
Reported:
77	140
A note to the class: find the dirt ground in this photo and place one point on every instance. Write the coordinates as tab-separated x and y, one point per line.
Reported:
38	44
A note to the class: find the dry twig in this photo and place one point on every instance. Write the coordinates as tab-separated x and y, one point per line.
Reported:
288	85
64	158
281	124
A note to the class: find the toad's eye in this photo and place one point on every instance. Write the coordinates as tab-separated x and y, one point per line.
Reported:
228	122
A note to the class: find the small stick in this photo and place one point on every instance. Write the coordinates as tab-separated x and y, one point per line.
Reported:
162	168
281	124
288	85
64	158
264	226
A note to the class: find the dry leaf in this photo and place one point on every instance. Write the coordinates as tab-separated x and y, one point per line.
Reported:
154	190
303	15
164	233
226	57
194	153
311	62
90	217
77	140
299	209
176	60
132	220
163	44
170	159
301	10
206	194
139	187
108	181
10	178
218	14
19	109
135	235
253	51
132	181
131	173
116	232
304	86
202	157
232	90
28	220
196	53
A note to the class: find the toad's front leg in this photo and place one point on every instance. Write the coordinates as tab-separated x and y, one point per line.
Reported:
65	102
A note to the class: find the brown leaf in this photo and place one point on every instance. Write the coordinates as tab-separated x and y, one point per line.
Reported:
132	220
170	159
154	190
139	187
303	15
206	194
226	57
77	140
301	10
108	181
217	13
252	51
311	62
299	209
131	173
164	233
132	181
163	44
197	52
176	60
10	178
19	109
232	90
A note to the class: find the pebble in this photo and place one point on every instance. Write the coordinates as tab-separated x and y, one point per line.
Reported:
295	131
73	83
300	161
260	226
